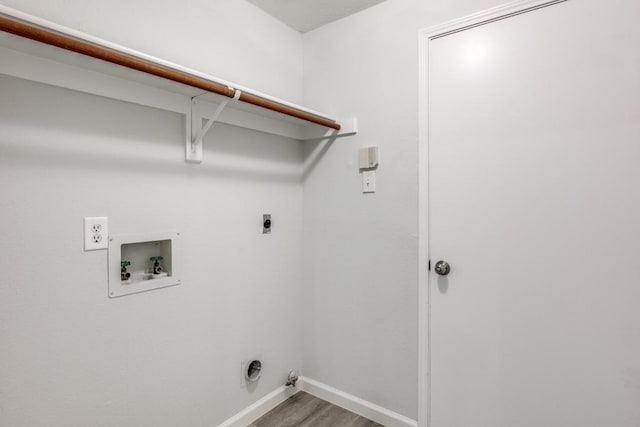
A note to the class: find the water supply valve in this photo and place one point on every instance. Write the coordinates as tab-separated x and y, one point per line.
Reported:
124	274
157	268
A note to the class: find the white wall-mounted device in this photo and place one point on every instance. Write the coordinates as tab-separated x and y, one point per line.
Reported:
368	157
139	263
368	160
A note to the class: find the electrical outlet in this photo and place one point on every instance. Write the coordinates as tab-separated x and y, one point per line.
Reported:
96	233
266	223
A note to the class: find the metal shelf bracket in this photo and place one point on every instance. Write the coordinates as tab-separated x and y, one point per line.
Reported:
196	131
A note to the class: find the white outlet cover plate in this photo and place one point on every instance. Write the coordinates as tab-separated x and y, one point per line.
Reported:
96	233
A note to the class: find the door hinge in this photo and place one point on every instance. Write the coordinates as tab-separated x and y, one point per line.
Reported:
429	265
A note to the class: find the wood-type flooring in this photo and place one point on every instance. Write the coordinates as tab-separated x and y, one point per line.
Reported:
305	410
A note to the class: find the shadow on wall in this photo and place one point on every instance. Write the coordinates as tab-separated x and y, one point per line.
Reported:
88	158
315	150
46	127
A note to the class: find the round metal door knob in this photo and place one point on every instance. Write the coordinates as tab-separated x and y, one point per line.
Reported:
442	268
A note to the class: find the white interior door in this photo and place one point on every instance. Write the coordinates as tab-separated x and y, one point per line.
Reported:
534	200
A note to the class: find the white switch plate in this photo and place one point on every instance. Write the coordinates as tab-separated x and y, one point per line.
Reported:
96	233
369	181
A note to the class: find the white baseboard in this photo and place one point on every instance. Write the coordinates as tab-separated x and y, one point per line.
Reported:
355	404
259	408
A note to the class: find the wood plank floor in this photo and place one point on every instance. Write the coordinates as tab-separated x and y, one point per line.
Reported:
305	410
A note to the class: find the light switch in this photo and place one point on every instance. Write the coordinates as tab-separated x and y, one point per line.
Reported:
369	181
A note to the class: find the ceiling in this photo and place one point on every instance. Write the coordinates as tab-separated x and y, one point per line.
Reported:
306	15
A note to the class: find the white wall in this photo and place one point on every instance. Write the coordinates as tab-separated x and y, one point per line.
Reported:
360	251
70	356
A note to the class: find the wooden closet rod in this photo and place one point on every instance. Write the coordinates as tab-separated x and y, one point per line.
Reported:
62	41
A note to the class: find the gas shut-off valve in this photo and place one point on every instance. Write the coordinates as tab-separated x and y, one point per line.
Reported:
292	378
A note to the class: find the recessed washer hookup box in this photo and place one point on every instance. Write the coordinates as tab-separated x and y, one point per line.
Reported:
143	262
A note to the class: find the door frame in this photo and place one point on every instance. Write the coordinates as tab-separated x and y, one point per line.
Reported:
424	310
